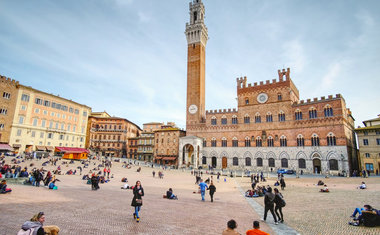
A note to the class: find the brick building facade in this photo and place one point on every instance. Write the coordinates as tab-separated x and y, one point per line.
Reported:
271	127
166	145
108	136
8	97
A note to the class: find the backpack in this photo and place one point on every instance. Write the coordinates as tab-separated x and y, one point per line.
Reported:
282	202
27	232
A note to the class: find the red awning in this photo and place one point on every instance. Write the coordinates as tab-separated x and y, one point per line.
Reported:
169	158
40	148
5	147
71	150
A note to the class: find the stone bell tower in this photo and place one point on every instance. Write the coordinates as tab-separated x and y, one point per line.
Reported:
196	35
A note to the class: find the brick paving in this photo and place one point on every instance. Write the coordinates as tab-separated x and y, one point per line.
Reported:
76	209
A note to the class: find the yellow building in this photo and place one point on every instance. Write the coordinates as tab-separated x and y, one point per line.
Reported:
369	145
43	121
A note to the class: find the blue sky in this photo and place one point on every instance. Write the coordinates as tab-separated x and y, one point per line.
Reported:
128	57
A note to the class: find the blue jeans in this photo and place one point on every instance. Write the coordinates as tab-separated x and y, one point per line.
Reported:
137	209
203	195
357	210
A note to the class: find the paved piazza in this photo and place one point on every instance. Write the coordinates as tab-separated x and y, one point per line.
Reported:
76	209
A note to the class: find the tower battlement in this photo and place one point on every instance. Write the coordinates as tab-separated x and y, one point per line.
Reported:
321	99
283	78
221	111
9	80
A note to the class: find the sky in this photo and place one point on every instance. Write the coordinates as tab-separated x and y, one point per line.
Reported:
129	57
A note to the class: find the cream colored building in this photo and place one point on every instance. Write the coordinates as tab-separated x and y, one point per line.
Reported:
42	121
369	145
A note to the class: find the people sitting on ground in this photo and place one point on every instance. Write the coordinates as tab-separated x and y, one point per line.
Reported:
230	230
368	216
256	229
85	177
170	194
320	182
35	225
139	169
362	186
277	183
125	186
124	179
325	189
3	187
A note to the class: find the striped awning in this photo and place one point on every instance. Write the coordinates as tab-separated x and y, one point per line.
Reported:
5	147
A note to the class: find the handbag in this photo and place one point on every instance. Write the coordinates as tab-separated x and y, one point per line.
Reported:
138	201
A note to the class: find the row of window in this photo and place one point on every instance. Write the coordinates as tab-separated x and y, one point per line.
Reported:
269	118
3	111
366	132
368	155
104	127
49	135
52	125
6	95
366	142
106	145
331	141
47	103
333	163
105	137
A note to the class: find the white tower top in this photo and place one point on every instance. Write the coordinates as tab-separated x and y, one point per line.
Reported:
196	30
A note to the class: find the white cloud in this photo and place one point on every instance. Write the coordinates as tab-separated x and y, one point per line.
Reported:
332	74
294	55
143	17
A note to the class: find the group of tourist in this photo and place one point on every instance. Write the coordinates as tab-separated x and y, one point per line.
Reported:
232	225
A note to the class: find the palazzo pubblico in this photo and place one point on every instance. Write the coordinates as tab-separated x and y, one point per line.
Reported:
271	127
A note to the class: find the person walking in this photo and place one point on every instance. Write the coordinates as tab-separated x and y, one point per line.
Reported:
138	193
212	189
256	229
203	186
108	173
280	203
282	183
230	230
269	204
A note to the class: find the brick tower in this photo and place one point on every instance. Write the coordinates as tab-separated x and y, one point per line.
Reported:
196	35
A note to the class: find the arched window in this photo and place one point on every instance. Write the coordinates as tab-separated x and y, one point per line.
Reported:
235	161
235	142
246	100
224	142
298	115
333	163
331	140
213	121
328	111
234	120
315	140
271	162
312	113
283	141
269	117
259	161
204	160
204	143
284	163
248	161
300	141
270	141
281	116
247	142
259	142
213	142
279	97
224	120
247	119
301	163
257	118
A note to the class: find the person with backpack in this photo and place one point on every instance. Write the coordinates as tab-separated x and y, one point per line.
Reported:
34	226
280	203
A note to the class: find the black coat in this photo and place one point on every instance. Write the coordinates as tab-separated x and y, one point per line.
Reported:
136	195
212	189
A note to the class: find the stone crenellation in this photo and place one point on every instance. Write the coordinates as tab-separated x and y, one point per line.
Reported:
283	76
322	99
9	80
221	111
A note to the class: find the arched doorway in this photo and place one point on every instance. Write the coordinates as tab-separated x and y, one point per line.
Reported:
188	154
224	162
213	162
316	165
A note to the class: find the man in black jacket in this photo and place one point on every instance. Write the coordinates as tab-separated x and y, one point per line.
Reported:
269	204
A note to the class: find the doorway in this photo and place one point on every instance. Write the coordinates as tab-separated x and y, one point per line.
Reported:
213	162
316	165
224	162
